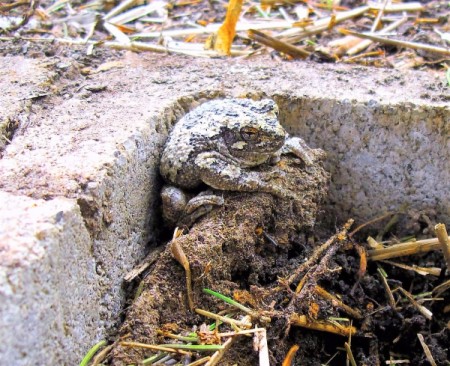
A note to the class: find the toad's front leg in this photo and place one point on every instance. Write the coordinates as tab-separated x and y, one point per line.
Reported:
298	147
219	172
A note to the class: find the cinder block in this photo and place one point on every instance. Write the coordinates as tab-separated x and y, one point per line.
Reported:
49	291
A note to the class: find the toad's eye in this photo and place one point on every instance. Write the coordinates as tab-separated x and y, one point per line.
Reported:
249	134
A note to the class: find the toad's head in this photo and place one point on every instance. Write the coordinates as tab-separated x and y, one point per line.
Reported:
252	131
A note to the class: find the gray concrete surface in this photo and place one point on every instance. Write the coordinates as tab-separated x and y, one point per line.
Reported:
49	288
79	183
21	82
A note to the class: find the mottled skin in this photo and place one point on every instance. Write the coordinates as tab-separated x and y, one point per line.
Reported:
220	142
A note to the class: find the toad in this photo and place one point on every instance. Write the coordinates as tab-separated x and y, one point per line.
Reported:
219	144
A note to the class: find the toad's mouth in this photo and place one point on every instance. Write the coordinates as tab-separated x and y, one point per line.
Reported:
254	153
247	159
261	147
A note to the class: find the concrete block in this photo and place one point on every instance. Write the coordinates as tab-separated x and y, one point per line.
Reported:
49	292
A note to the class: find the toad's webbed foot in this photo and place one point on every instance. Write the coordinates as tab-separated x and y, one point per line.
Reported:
183	209
297	146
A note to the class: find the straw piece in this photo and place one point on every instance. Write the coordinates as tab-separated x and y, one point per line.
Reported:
426	349
117	33
422	309
398	43
394	8
400	250
184	48
441	233
137	12
278	45
367	42
294	35
324	326
214	27
119	8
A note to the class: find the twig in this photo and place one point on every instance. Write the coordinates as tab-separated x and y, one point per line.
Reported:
195	347
370	222
57	5
424	271
373	243
426	350
26	17
216	357
349	354
303	281
366	43
276	44
214	27
379	15
438	290
362	56
337	302
133	46
400	250
223	39
397	362
362	260
395	8
294	35
7	7
136	13
398	43
201	361
178	337
179	255
422	309
241	332
99	357
224	319
318	252
311	278
321	325
119	8
151	258
441	233
116	33
387	288
290	355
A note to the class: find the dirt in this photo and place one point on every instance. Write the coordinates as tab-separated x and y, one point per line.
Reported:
249	249
245	245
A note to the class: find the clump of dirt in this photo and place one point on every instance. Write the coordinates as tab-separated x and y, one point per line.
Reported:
246	244
263	251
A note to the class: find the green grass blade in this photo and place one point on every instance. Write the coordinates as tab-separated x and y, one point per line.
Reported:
91	353
154	358
227	300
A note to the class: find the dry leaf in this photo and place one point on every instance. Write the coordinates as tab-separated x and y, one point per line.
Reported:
227	31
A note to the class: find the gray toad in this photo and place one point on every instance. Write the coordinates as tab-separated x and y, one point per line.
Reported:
218	144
